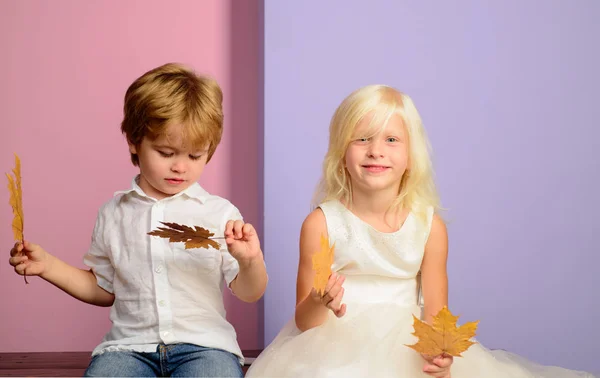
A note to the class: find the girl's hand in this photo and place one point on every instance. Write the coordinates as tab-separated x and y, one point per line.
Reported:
332	297
29	259
439	366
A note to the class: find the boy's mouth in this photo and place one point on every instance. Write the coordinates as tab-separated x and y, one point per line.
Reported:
174	181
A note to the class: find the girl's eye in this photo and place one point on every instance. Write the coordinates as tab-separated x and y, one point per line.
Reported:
165	154
195	157
362	139
392	139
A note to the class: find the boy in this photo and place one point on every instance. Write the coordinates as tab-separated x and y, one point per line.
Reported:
167	310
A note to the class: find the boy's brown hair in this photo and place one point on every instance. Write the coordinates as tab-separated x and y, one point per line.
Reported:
173	94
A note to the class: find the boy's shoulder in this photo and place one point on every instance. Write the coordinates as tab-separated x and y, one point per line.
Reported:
108	206
219	204
204	198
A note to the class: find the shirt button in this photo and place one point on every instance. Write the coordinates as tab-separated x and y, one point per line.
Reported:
158	269
166	334
161	303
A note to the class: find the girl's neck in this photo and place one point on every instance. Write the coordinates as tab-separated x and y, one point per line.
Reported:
372	203
374	209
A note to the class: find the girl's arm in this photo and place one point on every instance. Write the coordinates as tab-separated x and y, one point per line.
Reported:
311	309
434	278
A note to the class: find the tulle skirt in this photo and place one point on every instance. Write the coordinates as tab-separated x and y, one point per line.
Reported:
370	341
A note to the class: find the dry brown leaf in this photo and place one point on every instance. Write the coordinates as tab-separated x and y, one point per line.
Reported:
322	262
443	336
16	200
193	237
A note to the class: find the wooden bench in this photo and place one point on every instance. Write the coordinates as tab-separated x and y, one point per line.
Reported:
61	364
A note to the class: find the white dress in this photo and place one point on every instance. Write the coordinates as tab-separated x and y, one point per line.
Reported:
381	295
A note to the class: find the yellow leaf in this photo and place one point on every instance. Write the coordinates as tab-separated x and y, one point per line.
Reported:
193	237
443	336
16	200
322	262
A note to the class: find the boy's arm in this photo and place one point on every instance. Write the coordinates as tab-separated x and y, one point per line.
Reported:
243	244
78	283
251	281
33	260
434	277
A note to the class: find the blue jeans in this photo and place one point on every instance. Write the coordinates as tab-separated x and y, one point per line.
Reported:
176	360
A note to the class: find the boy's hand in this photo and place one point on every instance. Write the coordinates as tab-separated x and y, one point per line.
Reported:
242	241
30	259
439	366
334	292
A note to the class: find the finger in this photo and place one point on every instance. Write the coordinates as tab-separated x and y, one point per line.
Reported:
237	229
248	230
229	241
337	287
341	312
18	247
27	246
337	281
229	228
20	268
333	278
432	369
336	303
330	282
16	260
443	361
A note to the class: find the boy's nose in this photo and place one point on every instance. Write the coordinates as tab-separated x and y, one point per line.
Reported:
178	167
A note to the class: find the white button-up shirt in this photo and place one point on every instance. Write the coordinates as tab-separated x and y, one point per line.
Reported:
163	292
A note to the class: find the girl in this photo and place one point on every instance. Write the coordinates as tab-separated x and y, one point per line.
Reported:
378	203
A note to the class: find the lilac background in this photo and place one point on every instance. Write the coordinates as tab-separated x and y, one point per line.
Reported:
508	91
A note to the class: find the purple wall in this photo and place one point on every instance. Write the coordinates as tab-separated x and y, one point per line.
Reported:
508	92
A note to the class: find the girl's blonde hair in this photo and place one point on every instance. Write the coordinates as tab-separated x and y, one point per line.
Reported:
417	189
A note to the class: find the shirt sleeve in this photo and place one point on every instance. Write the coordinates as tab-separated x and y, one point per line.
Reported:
229	265
98	256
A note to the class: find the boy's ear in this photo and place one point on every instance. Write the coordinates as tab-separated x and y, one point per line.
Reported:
132	148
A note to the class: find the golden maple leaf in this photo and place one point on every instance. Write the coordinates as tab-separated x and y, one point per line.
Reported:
443	336
194	237
322	262
16	200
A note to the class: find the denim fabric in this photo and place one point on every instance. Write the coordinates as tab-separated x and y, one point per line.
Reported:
176	360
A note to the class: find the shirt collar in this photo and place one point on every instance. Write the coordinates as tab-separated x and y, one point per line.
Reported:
194	191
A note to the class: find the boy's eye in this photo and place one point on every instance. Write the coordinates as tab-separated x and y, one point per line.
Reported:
195	157
165	154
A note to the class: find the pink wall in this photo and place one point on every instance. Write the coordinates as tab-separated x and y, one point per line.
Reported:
65	67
